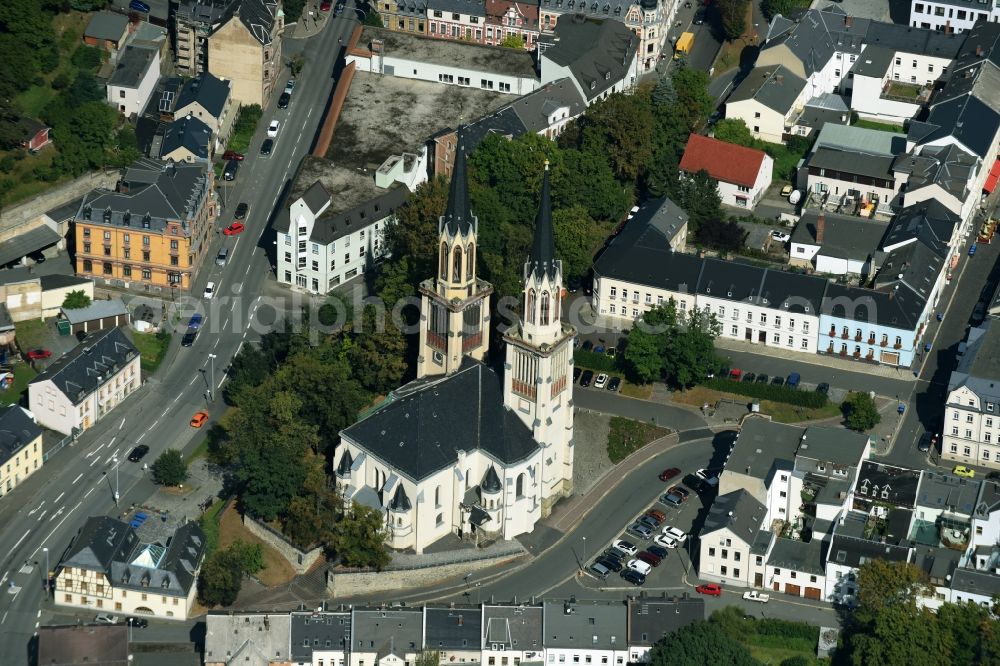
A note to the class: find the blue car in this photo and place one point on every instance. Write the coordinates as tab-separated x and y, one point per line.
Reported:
195	322
139	6
972	249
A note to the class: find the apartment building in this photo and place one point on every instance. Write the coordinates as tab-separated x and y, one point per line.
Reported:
20	447
152	231
319	637
403	15
585	633
734	541
598	55
192	22
245	49
265	638
971	427
743	174
84	385
512	21
951	16
457	19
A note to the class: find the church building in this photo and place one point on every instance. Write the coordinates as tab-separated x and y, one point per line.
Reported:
460	450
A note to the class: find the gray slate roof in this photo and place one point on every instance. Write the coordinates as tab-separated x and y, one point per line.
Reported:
846	236
774	86
208	90
593	626
188	132
323	631
948	166
970	581
77	373
17	430
874	62
764	446
891	307
534	108
24	244
852	162
132	66
887	484
835	446
739	511
850	549
397	631
452	628
979	368
96	310
798	556
598	52
907	39
616	9
947	492
469	7
106	25
651	619
513	627
423	425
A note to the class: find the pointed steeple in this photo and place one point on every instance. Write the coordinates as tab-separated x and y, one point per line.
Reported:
400	502
543	253
491	482
344	468
458	217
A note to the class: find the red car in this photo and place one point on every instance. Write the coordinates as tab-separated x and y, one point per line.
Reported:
668	474
325	6
711	589
679	492
233	155
233	229
649	558
39	354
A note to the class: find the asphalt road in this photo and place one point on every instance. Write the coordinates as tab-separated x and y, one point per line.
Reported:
81	481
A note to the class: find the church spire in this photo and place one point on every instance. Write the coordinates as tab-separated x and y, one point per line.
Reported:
542	260
458	218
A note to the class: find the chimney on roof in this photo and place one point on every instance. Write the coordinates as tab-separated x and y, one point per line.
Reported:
848	21
820	228
779	79
979	51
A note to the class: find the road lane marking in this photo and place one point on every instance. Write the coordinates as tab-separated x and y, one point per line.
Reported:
68	514
36	509
308	115
95	461
19	541
121	425
89	491
140	438
61	495
192	381
42	515
220	381
76	479
4	618
57	513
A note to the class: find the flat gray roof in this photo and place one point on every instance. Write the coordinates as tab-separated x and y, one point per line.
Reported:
761	444
452	53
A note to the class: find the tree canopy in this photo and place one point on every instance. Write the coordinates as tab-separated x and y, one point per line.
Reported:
860	411
673	346
170	468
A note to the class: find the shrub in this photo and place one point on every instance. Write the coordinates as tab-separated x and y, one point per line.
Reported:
809	399
169	469
593	361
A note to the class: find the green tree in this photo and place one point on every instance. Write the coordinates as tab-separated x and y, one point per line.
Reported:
698	194
734	130
860	411
377	356
248	558
698	644
296	63
359	538
664	94
373	19
694	102
727	236
293	11
690	353
733	15
170	469
219	583
798	660
647	343
76	299
578	237
415	234
513	42
126	149
249	368
621	127
88	5
772	8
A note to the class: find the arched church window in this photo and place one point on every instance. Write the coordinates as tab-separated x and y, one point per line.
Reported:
470	262
520	485
443	269
529	306
456	265
544	318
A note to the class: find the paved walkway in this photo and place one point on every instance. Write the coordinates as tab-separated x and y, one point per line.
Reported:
824	360
310	23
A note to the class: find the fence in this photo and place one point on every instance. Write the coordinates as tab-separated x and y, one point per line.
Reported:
52	450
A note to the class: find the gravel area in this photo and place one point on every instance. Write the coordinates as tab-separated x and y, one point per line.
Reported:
590	437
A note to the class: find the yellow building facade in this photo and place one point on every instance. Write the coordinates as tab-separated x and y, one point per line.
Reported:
20	447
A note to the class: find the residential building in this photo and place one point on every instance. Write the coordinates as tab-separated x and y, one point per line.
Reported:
34	134
599	56
512	20
578	633
454	633
743	174
971	429
509	453
819	111
403	15
944	173
734	541
945	506
83	385
457	63
187	139
648	20
512	632
209	99
108	567
880	486
191	24
766	100
851	545
651	619
245	49
20	447
386	637
80	644
319	638
457	19
98	316
107	31
958	16
836	244
796	567
167	209
232	639
334	229
133	80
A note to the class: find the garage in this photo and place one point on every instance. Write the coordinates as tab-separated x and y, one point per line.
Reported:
813	593
792	589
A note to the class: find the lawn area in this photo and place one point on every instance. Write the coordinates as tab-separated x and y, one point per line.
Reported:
729	54
23	373
642	391
627	436
244	128
276	571
776	655
25	186
778	411
30	333
785	158
884	127
152	348
906	90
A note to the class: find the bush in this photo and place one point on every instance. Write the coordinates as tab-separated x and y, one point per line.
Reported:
861	412
810	399
169	469
76	299
593	361
87	58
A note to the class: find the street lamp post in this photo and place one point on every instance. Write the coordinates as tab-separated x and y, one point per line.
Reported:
584	550
46	551
115	461
211	387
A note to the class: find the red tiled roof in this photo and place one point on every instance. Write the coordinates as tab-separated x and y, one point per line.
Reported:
723	161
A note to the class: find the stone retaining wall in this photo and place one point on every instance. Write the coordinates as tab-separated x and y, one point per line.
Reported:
19	218
300	561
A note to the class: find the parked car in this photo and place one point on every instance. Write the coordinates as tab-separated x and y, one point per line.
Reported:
680	491
233	155
650	521
586	378
612	563
754	595
576	374
640	530
793	380
234	229
618	556
972	249
339	9
669	473
962	470
139	6
290	86
138	453
231	169
823	388
326	5
780	236
625	546
777	381
672	500
762	379
750	377
267	147
601	381
194	323
924	445
283	100
675	533
642	567
199	418
241	211
711	589
39	354
614	383
272	129
107	618
599	570
188	338
649	558
735	374
634	577
209	290
137	622
665	541
659	515
659	551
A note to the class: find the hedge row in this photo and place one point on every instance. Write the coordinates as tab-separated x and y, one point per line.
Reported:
810	399
592	361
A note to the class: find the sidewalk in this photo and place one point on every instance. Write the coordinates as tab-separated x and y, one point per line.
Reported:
822	360
310	23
